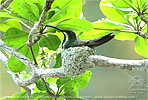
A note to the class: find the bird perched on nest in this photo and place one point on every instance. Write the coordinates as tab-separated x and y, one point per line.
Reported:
70	39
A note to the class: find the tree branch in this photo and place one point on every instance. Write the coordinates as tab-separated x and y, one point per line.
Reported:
47	6
143	18
5	4
76	61
118	63
4	59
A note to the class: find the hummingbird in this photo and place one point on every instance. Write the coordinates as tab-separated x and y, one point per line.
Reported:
70	39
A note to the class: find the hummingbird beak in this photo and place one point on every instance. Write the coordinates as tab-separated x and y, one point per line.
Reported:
54	28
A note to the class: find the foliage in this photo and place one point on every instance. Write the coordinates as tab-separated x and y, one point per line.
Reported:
19	18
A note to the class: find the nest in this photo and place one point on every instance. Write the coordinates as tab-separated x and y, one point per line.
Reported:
75	60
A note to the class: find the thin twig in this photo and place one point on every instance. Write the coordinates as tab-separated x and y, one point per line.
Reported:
47	90
5	4
142	34
116	30
46	87
33	55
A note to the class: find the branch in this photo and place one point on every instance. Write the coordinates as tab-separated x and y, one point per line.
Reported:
5	4
75	61
16	77
143	18
47	6
78	60
118	63
4	59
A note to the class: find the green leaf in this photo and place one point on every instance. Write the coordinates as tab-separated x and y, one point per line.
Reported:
40	85
17	96
52	42
75	4
62	13
40	7
78	82
71	95
63	3
63	80
17	66
6	14
40	96
58	61
50	14
103	27
4	26
141	46
41	2
15	37
116	10
26	9
11	15
75	25
125	36
82	80
31	10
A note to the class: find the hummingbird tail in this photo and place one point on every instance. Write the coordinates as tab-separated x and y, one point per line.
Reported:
101	40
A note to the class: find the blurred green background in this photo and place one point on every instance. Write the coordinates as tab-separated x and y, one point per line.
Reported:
105	82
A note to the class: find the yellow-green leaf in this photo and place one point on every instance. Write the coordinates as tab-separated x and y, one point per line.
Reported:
5	25
141	46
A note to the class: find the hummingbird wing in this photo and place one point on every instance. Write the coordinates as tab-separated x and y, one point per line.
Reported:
98	41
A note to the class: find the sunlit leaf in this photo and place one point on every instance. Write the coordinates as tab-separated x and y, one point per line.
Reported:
75	25
103	27
15	37
141	46
110	9
17	66
10	15
5	25
62	13
26	9
125	36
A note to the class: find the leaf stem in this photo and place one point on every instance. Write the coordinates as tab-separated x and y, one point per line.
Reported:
116	30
